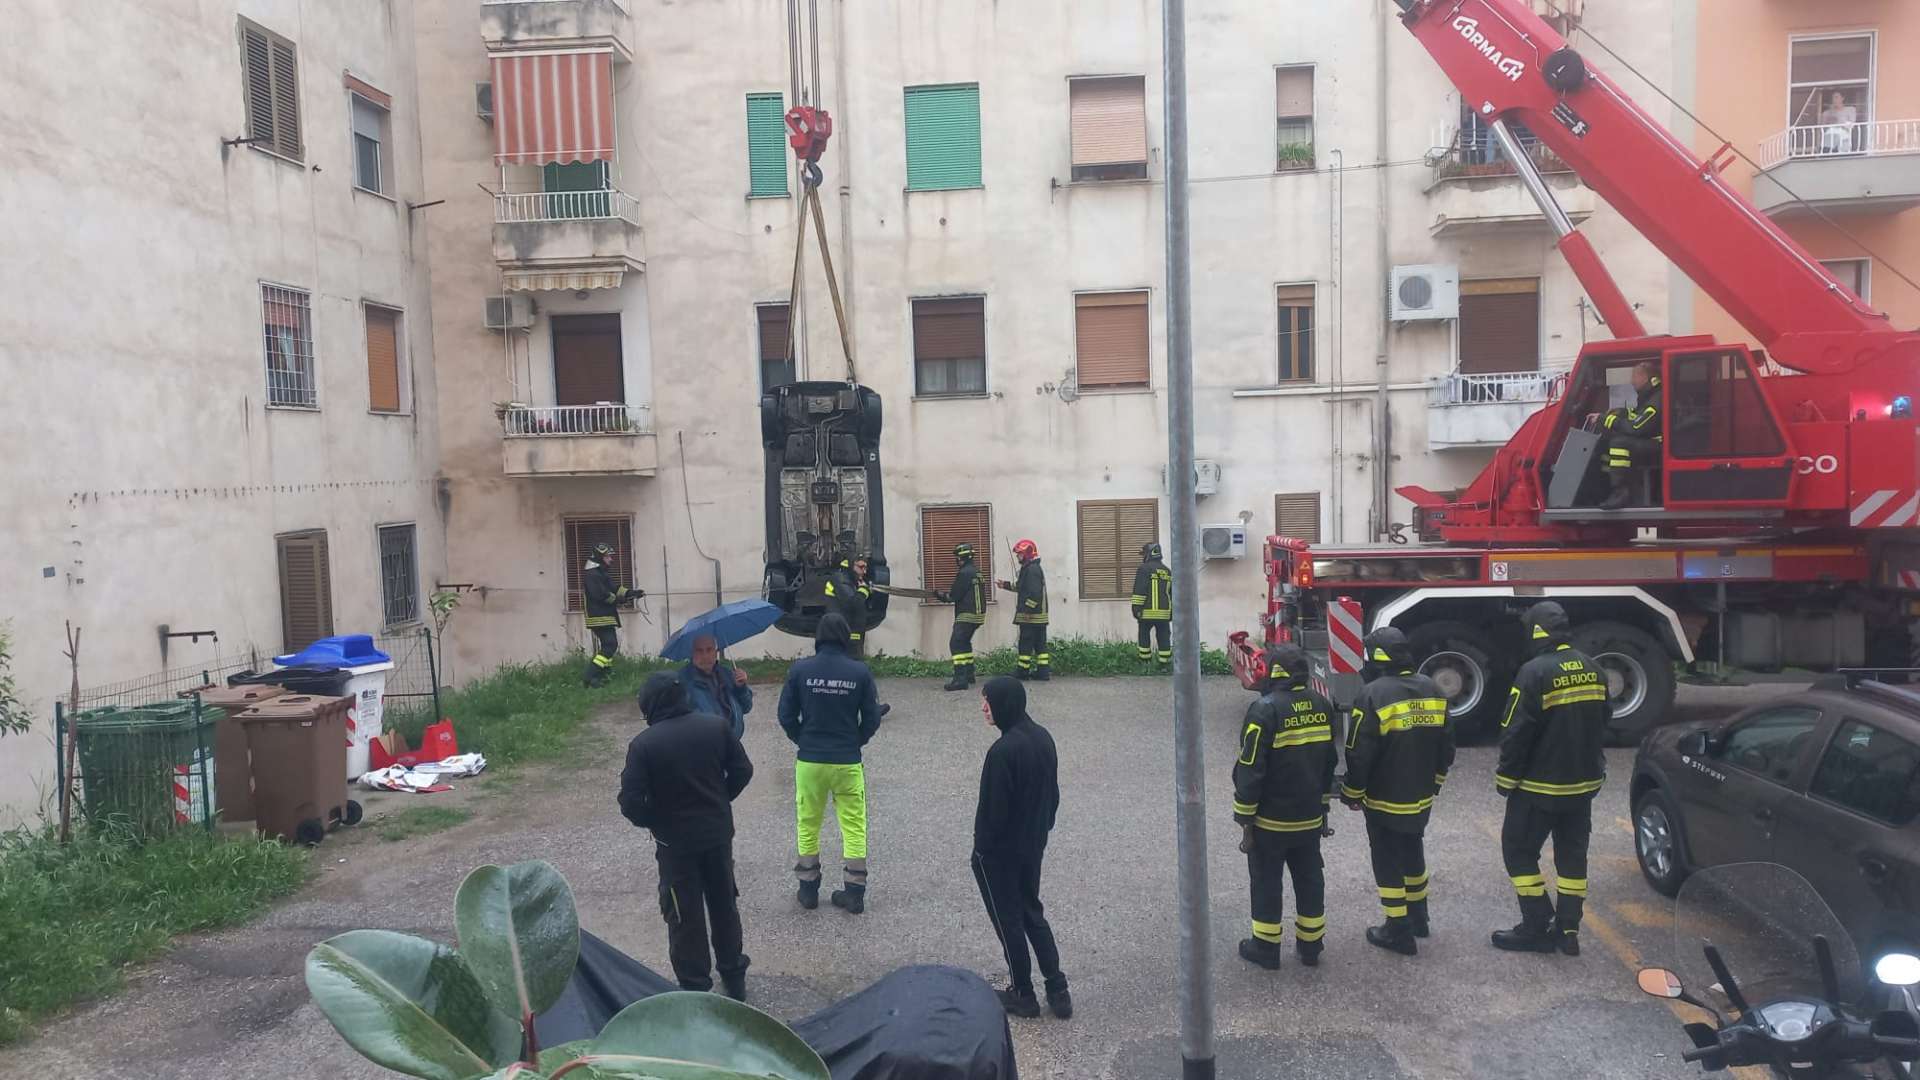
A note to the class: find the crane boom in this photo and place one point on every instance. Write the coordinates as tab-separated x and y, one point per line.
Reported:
1511	66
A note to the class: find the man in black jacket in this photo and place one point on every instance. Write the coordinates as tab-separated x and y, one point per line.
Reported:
1153	604
847	593
830	707
1552	762
1032	661
1282	783
1019	797
683	773
603	594
1635	436
968	595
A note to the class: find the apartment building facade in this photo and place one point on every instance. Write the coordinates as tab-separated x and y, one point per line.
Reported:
215	341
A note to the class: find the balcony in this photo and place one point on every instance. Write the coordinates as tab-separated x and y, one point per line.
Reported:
1482	410
1871	167
578	440
567	239
1476	189
507	25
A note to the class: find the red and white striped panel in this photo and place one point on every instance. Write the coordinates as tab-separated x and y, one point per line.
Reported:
1894	508
1909	579
552	107
1343	636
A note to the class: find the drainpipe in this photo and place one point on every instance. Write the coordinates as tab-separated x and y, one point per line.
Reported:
846	170
1382	438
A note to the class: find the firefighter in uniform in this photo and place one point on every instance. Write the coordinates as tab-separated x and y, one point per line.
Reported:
968	595
1551	765
1030	614
1635	436
604	594
847	593
1282	783
1399	748
1153	604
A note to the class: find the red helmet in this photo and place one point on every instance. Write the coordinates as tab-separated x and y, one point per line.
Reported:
1026	551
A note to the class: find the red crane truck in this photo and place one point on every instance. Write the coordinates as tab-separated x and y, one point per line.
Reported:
1778	526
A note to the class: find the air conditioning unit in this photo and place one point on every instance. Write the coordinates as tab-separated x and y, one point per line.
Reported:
1423	293
1206	477
1223	541
483	101
514	311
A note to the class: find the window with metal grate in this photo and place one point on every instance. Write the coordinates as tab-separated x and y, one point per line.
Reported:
399	574
287	329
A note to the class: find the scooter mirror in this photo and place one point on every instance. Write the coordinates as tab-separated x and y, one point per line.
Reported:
1896	969
1660	982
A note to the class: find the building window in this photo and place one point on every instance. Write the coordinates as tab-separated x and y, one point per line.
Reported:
943	137
766	146
943	527
1855	274
1297	514
1112	531
588	366
1110	340
1870	772
1296	332
1109	121
1294	108
775	334
273	90
1499	325
287	326
577	189
582	534
399	574
306	588
950	346
1830	95
371	168
383	359
1717	410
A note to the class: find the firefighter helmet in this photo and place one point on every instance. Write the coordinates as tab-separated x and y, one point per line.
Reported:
1387	649
603	550
963	551
1150	551
1026	551
1546	620
1288	663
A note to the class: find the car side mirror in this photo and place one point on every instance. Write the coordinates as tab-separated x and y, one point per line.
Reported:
1696	744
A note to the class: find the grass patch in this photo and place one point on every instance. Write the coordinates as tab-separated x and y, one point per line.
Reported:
421	821
71	917
1071	656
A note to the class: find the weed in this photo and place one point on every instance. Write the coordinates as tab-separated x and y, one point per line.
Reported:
421	821
1070	656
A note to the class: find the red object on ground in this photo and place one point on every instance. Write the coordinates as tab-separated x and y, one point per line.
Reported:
437	743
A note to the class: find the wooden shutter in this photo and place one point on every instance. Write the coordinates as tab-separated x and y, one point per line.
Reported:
587	364
941	527
950	329
581	535
1109	121
1500	325
943	137
1297	514
256	55
1112	532
1296	332
383	359
766	145
1110	339
306	589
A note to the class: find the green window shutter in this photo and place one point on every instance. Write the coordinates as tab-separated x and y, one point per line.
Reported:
767	145
943	137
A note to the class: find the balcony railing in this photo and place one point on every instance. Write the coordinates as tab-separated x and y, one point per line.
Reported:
1500	387
1866	139
538	421
1478	154
517	207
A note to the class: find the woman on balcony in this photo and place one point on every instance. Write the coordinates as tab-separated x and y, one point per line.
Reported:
1837	124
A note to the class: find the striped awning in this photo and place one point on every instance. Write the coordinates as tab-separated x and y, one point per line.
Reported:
552	107
568	280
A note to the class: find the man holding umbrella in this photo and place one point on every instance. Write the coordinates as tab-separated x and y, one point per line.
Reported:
712	685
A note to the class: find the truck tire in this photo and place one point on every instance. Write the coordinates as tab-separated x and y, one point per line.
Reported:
1470	671
1640	682
772	431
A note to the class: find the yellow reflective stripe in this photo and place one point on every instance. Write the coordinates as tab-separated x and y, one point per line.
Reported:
1392	892
1439	779
601	620
1351	793
1585	787
1245	809
1540	633
1274	825
1302	736
1505	783
1394	911
1419	879
1573	696
1138	599
1252	744
1267	931
1411	713
1513	702
1310	922
1416	894
1571	886
1304	932
1530	884
1399	807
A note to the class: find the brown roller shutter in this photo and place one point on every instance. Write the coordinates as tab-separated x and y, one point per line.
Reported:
383	359
1110	340
587	366
1500	325
1297	514
306	589
1112	531
1109	121
774	332
950	329
581	535
942	527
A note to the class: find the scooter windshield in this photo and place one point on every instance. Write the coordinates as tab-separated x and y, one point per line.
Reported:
1763	918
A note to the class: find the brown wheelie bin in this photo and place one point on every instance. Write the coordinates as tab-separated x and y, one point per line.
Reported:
232	763
299	748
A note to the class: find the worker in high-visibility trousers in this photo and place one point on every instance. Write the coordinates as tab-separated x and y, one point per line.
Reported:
1153	604
1551	766
968	595
603	594
1282	783
1635	436
1031	659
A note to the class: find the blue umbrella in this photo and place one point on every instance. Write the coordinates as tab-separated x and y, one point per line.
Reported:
729	624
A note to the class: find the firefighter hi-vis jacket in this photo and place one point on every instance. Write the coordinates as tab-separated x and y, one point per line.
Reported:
1283	779
1030	594
1642	421
969	593
1153	592
1399	747
848	597
603	594
1551	738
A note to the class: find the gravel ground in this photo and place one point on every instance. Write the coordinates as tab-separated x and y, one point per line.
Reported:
234	1004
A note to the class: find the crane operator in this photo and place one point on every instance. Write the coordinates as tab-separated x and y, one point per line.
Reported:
1635	436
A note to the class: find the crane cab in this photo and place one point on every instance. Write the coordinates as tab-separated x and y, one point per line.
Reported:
824	502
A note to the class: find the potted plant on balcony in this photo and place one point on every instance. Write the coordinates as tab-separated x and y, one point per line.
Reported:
1296	156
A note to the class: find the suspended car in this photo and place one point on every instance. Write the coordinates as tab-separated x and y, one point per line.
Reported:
823	496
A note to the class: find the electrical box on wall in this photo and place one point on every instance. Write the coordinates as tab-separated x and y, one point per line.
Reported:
1223	541
1206	477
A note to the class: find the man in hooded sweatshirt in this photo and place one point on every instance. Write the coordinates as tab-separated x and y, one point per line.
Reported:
683	773
1019	797
830	707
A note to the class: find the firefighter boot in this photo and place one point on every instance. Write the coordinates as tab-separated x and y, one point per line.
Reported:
852	899
1309	952
1617	495
809	894
1259	953
1569	942
1395	936
962	678
1527	936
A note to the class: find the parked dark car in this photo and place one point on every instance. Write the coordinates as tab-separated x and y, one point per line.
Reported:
1825	781
823	496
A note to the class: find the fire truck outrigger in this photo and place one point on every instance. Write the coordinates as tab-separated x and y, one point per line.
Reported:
1776	528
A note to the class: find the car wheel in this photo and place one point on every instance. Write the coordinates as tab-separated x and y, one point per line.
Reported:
1656	842
1466	665
772	432
1639	673
870	418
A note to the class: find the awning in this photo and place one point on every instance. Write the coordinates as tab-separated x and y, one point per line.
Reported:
552	107
540	280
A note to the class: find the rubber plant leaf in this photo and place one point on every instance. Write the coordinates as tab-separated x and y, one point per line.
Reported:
693	1036
410	1004
519	933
